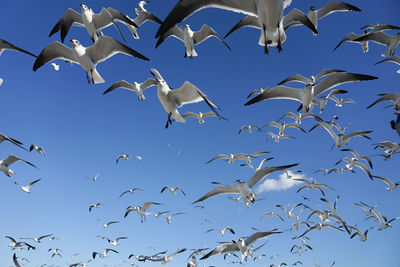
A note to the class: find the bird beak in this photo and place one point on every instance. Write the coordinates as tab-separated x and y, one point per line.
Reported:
70	40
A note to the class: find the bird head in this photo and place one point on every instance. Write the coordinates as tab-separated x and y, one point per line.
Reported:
312	8
84	7
74	42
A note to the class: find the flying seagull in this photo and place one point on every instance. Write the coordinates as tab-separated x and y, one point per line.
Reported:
91	21
391	185
352	37
201	116
130	191
141	210
124	156
37	239
97	205
138	88
104	254
88	57
4	45
222	232
142	15
173	190
39	149
380	27
249	128
94	179
5	163
190	38
27	188
390	41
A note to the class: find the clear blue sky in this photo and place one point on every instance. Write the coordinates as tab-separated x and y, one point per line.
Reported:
83	131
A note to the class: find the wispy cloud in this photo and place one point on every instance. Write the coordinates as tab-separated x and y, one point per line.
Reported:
283	183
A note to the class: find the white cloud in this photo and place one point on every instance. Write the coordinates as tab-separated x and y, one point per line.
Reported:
283	183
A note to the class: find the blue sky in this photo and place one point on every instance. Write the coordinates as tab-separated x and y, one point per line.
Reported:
83	131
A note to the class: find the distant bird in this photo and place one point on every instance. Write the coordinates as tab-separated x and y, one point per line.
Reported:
55	66
312	185
283	126
93	23
16	261
141	210
231	157
5	163
289	213
333	207
390	147
171	99
173	190
27	188
259	165
367	208
167	259
249	128
142	15
393	97
395	59
323	171
123	156
138	88
319	226
190	38
352	37
94	179
380	27
104	254
97	205
4	45
245	188
201	116
351	162
4	137
56	252
38	149
363	236
36	239
106	225
158	214
358	156
169	218
278	137
222	232
309	80
115	242
390	41
297	117
391	185
87	57
321	102
340	101
270	214
130	191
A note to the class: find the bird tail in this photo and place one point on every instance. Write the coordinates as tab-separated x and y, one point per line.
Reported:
177	117
96	77
133	31
192	53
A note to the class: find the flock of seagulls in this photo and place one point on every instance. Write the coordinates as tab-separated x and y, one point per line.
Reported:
268	17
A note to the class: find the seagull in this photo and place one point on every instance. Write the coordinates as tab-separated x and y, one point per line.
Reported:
363	236
55	66
332	208
4	137
201	116
124	156
352	37
380	27
115	242
232	157
130	191
222	232
259	165
367	209
167	259
106	225
270	214
171	99
55	252
38	149
278	137
358	156
15	244
88	57
190	38
324	216
173	190
395	59
310	91
312	185
94	179
94	206
384	222
141	210
323	171
27	188
340	101
16	261
319	226
354	162
104	254
289	213
142	15
169	218
241	244
314	15
249	128
4	45
283	126
390	147
298	117
391	42
391	185
393	97
5	163
138	88
36	239
324	100
93	23
309	80
158	214
269	15
245	188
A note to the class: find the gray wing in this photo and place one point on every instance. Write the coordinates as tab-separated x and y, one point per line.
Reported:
338	78
377	37
262	173
146	205
4	45
64	24
185	8
395	59
7	138
119	84
148	83
12	159
115	15
206	32
186	94
248	21
277	92
386	97
334	6
351	37
53	51
189	114
219	191
296	78
296	17
258	235
325	72
175	31
105	47
145	16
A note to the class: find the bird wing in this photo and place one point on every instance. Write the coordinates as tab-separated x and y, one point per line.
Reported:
364	168
165	187
53	51
218	157
105	47
338	78
278	92
174	32
186	94
146	205
296	17
296	78
12	159
120	84
219	191
248	21
144	16
15	261
377	37
348	38
386	180
258	235
185	8
102	18
386	97
264	172
395	59
32	183
204	33
4	137
4	45
64	24
335	6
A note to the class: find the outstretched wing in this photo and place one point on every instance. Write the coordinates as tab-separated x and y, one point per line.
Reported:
219	191
51	52
206	32
64	24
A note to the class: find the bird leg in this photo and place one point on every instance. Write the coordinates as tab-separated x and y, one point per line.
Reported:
169	121
87	77
266	49
279	40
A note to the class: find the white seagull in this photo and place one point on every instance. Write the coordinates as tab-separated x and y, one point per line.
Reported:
352	37
169	218
124	156
141	210
190	38
39	149
173	190
312	185
393	97
283	126
138	88
142	15
87	57
249	128
27	188
36	239
390	41
91	21
104	254
171	99
391	185
201	116
5	163
222	232
94	179
97	205
130	191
